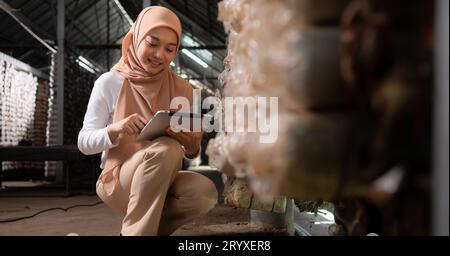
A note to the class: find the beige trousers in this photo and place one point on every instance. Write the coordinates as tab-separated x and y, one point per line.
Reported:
154	196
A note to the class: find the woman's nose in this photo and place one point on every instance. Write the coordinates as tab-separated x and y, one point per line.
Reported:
158	53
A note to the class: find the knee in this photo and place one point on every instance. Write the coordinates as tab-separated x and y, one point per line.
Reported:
202	192
165	150
208	196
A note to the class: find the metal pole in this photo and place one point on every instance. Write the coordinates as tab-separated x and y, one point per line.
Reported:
440	150
146	3
60	26
176	61
60	73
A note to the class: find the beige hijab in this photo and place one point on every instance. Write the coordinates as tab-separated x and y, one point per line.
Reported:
140	92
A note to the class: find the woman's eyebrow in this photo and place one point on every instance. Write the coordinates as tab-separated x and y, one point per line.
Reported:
156	38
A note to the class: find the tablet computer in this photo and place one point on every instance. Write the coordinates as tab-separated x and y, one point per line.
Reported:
158	124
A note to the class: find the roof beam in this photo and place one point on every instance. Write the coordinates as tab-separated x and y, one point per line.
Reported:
82	9
214	39
28	26
203	78
208	5
104	46
191	22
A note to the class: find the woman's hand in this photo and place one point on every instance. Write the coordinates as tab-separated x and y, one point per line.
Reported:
130	125
189	140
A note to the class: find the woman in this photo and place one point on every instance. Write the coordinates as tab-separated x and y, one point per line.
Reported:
142	180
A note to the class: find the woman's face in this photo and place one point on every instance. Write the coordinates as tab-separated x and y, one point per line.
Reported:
157	49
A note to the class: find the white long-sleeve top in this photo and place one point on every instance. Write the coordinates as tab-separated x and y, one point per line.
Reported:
93	138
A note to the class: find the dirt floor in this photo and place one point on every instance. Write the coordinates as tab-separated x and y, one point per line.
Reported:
91	219
86	215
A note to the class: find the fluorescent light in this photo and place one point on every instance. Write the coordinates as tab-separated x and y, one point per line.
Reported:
86	67
83	59
204	54
326	214
124	13
195	58
323	222
323	213
84	63
172	64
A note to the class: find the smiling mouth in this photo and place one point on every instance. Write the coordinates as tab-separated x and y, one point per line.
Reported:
154	64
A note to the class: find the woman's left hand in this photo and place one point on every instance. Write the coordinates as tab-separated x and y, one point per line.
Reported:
189	140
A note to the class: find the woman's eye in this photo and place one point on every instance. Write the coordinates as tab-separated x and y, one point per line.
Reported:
151	44
169	50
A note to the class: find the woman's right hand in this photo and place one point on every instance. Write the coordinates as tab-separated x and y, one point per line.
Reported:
130	125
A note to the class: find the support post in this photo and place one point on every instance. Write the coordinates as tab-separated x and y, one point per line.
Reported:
440	150
146	3
60	84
